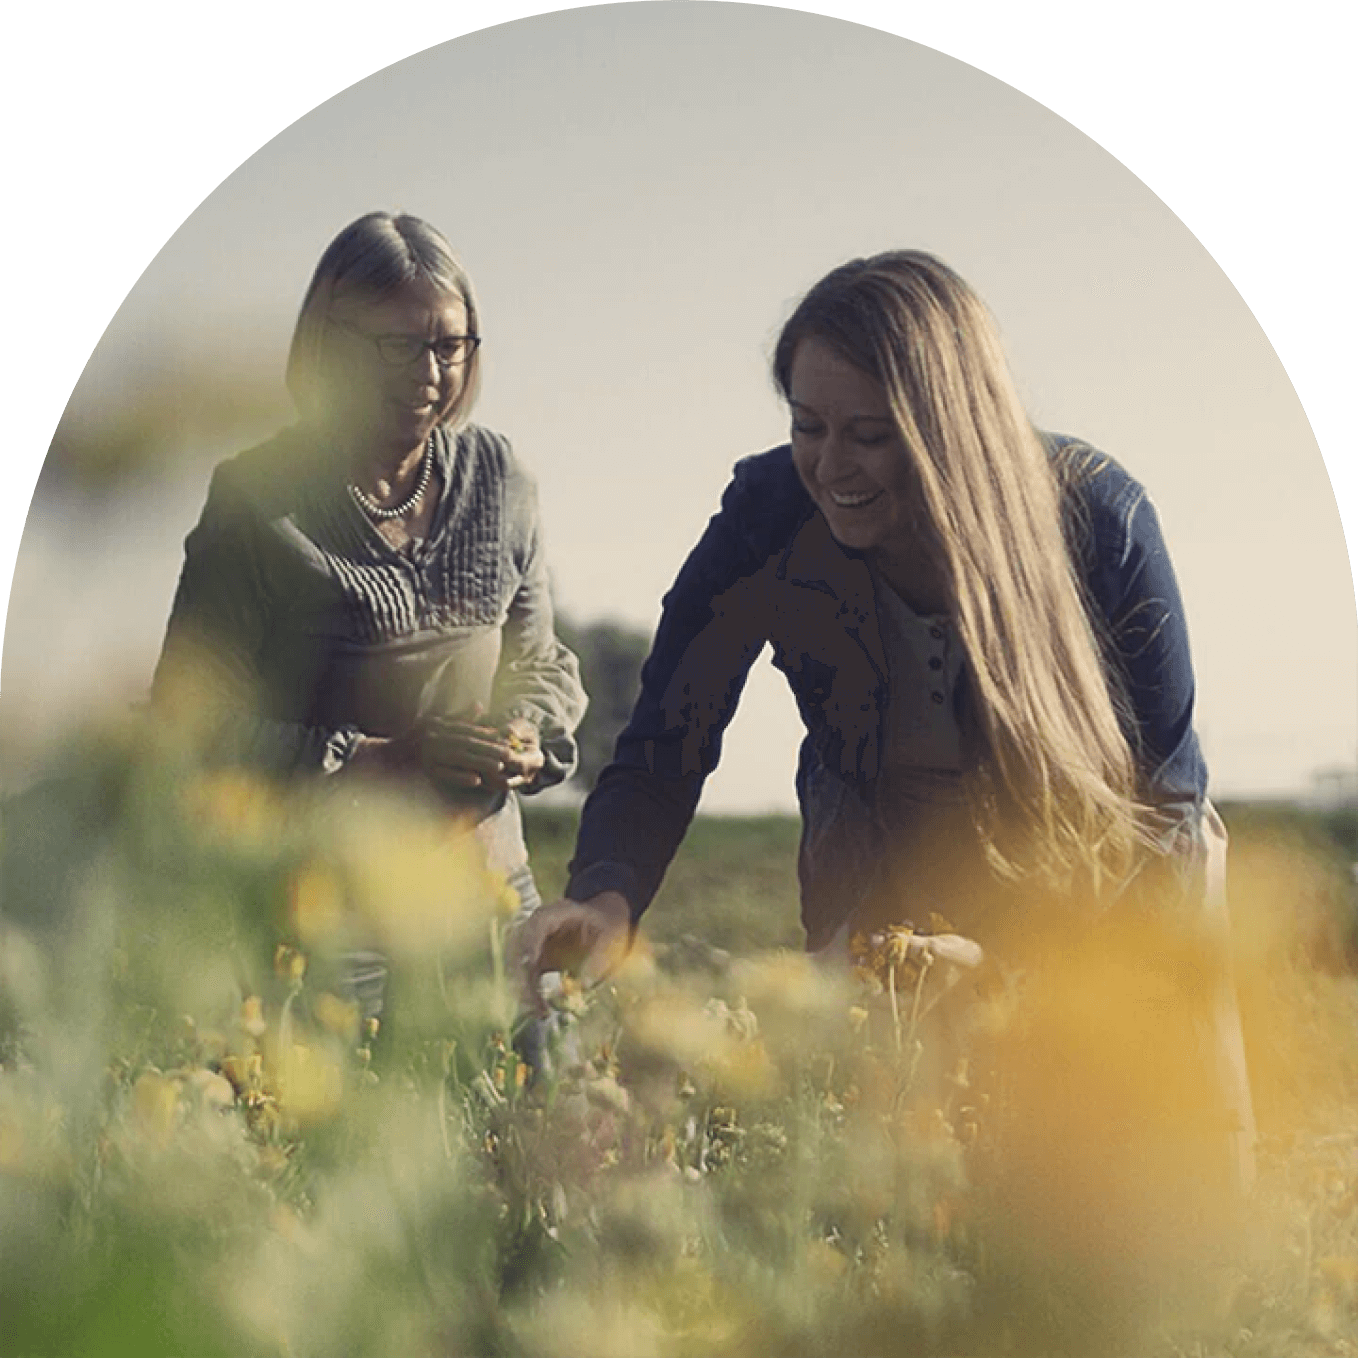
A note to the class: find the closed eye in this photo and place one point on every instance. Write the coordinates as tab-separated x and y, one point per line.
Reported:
866	439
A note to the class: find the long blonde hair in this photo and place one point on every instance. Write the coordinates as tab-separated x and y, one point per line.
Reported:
1054	784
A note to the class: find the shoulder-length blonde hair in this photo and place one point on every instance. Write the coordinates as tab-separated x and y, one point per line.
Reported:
1054	784
374	257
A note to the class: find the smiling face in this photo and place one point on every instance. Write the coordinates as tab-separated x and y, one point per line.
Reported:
849	453
389	410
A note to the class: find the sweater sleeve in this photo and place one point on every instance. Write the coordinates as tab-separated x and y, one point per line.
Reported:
1135	588
207	678
539	678
1146	619
713	626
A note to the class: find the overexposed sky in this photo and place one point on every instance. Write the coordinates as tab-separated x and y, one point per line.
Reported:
641	191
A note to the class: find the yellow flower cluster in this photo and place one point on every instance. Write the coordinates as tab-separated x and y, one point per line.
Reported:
901	953
878	958
284	1076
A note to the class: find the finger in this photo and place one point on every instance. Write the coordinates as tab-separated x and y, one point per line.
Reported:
487	764
517	767
604	957
458	776
528	957
479	732
945	946
464	745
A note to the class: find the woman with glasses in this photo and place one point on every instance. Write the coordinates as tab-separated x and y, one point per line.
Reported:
367	591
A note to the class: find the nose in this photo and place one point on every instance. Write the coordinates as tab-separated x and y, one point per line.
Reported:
835	458
427	367
424	374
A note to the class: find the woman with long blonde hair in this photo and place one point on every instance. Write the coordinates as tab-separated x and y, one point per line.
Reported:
982	630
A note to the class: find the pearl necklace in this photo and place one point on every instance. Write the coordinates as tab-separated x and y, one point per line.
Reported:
402	508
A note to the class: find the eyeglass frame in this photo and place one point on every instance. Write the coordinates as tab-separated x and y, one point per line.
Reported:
470	341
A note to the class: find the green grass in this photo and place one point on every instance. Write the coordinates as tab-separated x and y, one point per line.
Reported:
733	884
735	1162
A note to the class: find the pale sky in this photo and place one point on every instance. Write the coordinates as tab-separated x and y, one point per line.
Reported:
641	191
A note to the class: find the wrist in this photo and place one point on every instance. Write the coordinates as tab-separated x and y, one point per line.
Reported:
373	753
612	905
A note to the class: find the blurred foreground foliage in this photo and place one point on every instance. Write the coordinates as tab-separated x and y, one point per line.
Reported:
221	393
206	1148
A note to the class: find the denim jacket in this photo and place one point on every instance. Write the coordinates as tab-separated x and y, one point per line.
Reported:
767	570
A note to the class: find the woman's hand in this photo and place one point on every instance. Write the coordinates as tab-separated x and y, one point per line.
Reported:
385	757
468	754
589	938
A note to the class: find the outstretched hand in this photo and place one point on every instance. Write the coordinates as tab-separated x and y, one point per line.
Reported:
590	938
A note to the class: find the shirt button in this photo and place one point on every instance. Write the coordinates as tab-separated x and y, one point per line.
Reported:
936	632
936	664
937	697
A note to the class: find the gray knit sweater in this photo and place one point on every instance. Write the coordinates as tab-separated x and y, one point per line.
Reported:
297	628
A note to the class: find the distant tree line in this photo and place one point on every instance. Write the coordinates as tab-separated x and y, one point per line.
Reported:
611	657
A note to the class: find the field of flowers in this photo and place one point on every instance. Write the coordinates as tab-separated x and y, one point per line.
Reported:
205	1148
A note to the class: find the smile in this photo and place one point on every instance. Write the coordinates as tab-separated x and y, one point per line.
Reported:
851	500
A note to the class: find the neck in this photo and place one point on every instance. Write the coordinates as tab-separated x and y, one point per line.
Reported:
388	470
915	577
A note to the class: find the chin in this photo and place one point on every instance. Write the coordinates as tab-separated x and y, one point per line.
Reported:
860	537
413	430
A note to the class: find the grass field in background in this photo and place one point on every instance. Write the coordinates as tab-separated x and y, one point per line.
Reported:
733	885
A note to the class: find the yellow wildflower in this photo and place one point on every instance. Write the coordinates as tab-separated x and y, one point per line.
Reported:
420	888
308	1082
289	963
338	1016
251	1017
234	804
155	1107
316	904
245	1073
214	1091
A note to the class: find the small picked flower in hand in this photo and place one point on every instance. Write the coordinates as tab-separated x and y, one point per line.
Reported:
472	752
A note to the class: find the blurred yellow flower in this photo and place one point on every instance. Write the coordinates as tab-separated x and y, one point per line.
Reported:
214	1091
289	963
507	900
308	1082
673	1026
742	1070
234	805
245	1073
316	904
155	1107
421	886
338	1016
1338	1271
251	1017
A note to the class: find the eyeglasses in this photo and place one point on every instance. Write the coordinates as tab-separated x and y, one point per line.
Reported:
399	351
